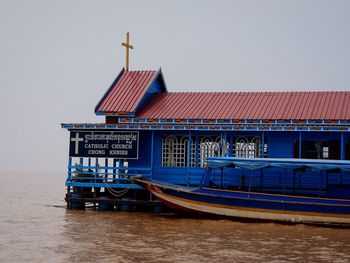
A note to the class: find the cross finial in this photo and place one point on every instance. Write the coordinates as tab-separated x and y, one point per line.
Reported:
127	46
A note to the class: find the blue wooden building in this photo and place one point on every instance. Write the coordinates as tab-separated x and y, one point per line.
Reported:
167	136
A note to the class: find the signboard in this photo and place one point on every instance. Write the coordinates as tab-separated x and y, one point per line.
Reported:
116	144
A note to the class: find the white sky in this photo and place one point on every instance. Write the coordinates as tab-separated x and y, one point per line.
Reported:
57	58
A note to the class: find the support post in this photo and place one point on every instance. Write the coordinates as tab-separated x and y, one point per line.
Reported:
106	169
189	157
231	144
152	152
300	145
120	165
250	182
321	182
196	153
342	146
225	146
114	169
262	144
97	170
89	165
69	169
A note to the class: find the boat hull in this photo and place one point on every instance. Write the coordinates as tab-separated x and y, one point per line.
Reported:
254	206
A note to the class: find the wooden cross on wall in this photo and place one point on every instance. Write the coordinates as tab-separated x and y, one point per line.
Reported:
127	46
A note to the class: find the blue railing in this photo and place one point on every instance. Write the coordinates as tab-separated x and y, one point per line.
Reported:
104	176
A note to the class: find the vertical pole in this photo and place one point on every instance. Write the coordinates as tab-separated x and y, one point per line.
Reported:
285	180
342	147
82	164
90	172
225	140
96	169
152	152
300	145
106	169
152	158
197	150
189	156
262	144
321	182
69	169
119	168
114	167
250	182
231	144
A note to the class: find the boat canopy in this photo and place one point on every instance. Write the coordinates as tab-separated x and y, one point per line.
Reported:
285	163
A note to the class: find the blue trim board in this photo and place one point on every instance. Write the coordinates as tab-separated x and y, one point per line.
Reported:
233	121
184	127
157	86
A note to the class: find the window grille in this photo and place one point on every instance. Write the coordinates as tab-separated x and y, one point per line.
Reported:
211	146
249	147
175	151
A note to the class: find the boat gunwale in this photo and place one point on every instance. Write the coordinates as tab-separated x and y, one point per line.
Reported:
183	189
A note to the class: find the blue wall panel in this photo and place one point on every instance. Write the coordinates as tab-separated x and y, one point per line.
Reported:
281	144
145	144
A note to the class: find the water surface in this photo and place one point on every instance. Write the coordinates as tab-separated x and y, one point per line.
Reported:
36	227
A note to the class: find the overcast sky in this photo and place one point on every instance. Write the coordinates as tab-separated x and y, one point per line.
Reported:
57	58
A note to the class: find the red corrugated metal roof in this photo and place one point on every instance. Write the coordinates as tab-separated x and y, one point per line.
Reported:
249	105
125	94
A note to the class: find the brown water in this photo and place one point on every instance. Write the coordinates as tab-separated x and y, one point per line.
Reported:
36	227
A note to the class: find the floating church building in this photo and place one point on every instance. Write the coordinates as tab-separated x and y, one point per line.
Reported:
167	136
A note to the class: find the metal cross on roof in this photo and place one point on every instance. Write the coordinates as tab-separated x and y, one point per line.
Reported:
127	46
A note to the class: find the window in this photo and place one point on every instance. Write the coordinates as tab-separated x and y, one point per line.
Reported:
248	147
211	146
318	149
325	152
175	151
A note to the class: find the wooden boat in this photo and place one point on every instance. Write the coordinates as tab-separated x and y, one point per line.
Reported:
247	203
